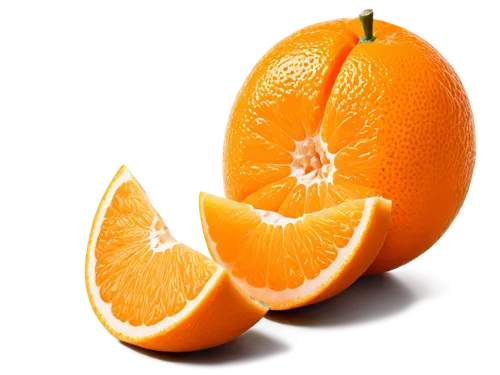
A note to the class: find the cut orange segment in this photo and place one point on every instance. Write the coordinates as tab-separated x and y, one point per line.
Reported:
291	262
149	290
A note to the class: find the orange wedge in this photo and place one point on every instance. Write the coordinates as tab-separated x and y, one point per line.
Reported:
149	290
291	262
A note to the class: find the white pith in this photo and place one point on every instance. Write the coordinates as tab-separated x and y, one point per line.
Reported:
160	240
323	173
105	308
309	287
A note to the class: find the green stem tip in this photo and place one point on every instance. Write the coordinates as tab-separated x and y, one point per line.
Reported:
366	18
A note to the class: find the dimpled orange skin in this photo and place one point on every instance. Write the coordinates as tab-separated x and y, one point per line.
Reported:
392	112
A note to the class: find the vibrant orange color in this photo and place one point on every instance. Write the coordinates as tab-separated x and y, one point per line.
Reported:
286	262
323	118
149	290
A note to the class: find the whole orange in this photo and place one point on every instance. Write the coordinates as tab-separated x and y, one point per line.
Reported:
331	113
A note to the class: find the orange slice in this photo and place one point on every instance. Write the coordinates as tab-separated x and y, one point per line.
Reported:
291	262
149	290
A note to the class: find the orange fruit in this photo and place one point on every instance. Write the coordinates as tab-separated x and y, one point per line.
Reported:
292	262
326	116
149	290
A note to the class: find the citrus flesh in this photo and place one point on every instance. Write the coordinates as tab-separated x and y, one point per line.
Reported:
292	262
323	118
148	289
